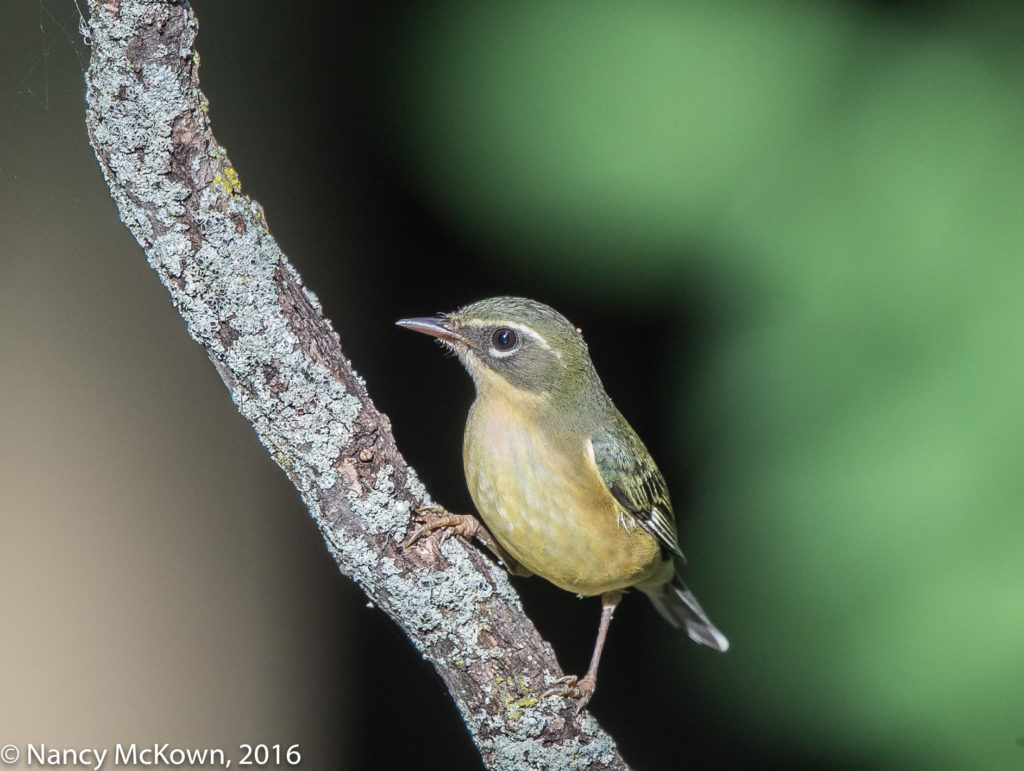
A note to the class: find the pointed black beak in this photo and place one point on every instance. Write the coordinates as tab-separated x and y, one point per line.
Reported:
435	326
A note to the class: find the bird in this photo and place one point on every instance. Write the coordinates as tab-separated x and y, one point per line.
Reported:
566	489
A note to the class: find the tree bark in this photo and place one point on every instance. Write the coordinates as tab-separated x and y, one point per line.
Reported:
282	362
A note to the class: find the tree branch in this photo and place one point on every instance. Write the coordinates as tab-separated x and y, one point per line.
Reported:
266	334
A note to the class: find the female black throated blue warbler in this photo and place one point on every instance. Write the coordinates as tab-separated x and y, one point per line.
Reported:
566	489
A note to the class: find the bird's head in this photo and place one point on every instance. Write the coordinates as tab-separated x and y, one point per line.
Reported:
513	343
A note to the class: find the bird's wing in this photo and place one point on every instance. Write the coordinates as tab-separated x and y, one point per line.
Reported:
635	482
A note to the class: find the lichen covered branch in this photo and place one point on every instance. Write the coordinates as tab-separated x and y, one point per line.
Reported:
282	362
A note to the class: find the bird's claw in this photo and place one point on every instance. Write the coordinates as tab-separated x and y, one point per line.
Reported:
452	524
571	687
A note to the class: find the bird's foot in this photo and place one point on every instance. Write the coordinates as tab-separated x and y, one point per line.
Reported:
571	687
465	525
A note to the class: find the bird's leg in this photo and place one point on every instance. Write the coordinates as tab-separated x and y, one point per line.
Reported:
581	690
465	525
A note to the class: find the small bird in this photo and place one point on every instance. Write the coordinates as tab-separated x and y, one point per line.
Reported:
565	487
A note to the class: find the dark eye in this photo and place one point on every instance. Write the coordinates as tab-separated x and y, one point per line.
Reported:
504	339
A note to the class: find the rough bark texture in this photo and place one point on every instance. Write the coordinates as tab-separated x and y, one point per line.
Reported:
282	361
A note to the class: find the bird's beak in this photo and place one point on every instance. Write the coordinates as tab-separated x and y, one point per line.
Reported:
435	326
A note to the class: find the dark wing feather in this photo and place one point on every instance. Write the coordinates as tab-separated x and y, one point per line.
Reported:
635	482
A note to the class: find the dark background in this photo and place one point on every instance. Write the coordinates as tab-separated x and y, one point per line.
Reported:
160	579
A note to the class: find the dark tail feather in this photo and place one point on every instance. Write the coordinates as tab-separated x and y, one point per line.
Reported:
680	608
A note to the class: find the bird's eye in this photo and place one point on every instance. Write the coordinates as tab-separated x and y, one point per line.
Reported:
504	339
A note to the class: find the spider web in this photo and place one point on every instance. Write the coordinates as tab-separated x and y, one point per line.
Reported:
43	58
33	64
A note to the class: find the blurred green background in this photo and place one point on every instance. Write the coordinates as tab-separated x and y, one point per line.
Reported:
793	235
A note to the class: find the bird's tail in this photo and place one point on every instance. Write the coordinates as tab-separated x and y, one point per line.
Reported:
680	608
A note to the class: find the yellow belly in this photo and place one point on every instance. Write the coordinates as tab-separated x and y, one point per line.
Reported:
549	507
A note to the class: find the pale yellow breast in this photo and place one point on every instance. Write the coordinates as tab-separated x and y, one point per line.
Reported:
548	506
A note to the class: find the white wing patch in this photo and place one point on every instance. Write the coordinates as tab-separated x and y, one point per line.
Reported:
661	527
627	521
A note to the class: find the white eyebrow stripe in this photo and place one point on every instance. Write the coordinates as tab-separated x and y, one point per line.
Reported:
519	328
